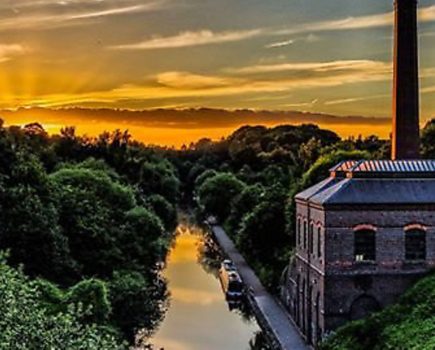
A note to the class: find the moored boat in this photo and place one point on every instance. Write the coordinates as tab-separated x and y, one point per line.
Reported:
232	284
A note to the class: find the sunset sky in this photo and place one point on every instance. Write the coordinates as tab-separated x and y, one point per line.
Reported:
329	56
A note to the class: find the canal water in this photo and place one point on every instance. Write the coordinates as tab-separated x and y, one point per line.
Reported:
198	317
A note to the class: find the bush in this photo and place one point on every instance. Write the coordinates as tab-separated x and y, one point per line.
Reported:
26	324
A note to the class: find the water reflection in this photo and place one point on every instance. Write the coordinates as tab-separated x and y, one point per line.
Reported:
199	317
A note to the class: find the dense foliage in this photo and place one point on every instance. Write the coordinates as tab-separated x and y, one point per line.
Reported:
26	322
89	222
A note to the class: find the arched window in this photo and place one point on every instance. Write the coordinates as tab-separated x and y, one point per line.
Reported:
298	232
415	244
305	234
365	245
311	239
319	242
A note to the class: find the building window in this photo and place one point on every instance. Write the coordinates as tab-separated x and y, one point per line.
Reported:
319	242
298	232
415	245
305	234
365	245
311	239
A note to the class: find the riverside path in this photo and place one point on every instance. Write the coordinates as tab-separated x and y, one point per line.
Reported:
270	314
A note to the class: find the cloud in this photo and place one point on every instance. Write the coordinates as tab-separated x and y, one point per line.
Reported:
7	51
353	99
280	44
186	80
340	65
426	14
190	38
71	16
309	104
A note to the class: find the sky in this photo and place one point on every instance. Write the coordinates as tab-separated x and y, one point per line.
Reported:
329	56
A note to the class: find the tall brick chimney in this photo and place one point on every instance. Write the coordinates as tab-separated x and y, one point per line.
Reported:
406	128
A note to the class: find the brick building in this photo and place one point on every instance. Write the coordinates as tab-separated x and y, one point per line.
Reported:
367	233
364	236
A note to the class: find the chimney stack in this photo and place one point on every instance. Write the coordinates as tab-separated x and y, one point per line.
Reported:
406	128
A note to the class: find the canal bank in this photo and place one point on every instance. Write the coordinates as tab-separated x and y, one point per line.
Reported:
270	314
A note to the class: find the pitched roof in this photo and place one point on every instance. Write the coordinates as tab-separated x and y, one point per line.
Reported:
376	182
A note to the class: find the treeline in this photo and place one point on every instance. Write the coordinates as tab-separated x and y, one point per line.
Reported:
248	180
85	225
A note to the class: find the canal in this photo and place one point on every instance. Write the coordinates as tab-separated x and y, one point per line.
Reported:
198	317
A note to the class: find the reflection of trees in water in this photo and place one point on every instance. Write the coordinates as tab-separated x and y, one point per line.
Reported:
259	342
153	307
209	254
244	310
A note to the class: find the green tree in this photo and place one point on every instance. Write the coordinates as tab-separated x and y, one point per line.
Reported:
159	178
262	237
92	211
25	323
242	205
29	221
144	241
217	193
164	210
136	304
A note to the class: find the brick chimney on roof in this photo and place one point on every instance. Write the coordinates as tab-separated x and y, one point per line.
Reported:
406	128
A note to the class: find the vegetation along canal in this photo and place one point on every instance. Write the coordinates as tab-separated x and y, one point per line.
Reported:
199	317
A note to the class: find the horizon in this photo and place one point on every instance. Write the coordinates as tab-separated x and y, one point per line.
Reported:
178	127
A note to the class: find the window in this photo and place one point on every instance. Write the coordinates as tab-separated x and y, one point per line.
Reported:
365	245
415	245
298	232
319	242
311	239
305	234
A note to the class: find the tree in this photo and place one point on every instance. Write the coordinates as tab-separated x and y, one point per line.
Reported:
136	304
320	169
144	242
159	178
164	210
29	221
92	211
25	323
242	205
204	176
262	236
428	140
217	193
